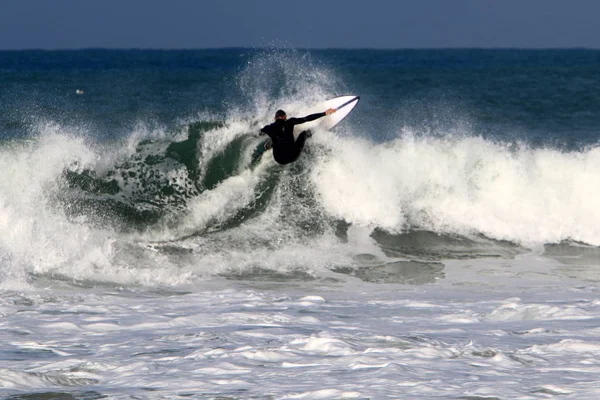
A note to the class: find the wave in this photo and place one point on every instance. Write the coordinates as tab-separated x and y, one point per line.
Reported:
169	206
463	185
452	185
65	202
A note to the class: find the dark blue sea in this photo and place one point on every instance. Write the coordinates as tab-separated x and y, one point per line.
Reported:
440	242
543	96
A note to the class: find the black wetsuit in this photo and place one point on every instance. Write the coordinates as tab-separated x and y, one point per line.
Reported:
285	149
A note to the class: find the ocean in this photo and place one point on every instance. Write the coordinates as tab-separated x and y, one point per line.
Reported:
440	243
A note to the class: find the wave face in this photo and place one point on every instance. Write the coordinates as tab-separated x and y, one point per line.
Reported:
176	195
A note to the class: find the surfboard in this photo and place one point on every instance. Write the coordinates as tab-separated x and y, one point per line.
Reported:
343	105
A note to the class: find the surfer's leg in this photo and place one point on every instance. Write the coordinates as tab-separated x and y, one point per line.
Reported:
290	154
283	156
299	143
286	156
283	159
294	152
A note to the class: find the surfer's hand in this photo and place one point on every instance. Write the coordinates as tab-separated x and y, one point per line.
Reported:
330	111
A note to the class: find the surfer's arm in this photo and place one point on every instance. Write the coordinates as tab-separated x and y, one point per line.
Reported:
308	118
311	117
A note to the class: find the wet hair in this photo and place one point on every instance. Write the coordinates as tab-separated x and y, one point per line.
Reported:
280	113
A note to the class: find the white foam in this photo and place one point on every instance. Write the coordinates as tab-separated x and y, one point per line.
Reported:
555	390
312	299
326	345
567	346
19	380
223	368
246	339
518	312
37	236
431	352
221	203
461	185
63	326
267	356
323	394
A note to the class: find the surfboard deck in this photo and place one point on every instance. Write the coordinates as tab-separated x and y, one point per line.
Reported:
343	104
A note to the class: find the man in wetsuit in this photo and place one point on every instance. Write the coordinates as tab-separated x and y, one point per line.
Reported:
285	149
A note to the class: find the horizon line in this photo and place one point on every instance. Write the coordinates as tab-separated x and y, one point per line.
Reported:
246	48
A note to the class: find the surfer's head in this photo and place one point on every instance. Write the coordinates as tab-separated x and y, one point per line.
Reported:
280	114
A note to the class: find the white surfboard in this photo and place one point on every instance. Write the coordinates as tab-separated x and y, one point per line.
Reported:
343	105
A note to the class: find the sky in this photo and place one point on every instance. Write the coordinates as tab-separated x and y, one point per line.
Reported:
176	24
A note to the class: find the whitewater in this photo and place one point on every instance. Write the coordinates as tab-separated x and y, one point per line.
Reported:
396	259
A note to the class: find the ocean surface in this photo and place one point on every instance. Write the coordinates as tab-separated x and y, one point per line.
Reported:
439	243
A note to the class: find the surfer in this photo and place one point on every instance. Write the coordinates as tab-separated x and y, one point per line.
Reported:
281	132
